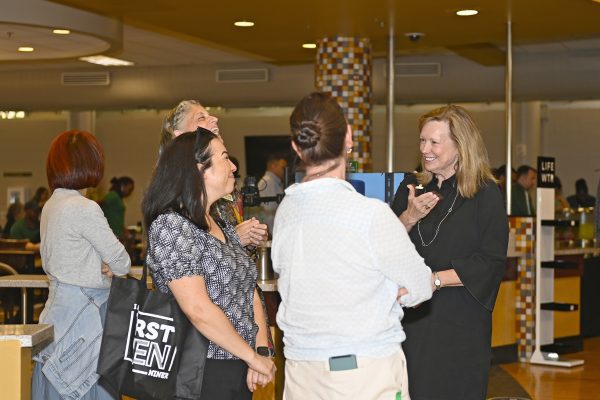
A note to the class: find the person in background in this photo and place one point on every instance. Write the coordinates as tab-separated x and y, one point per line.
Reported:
187	116
271	185
231	208
500	175
581	198
200	259
521	201
113	206
28	227
40	197
456	219
80	254
343	259
560	203
14	213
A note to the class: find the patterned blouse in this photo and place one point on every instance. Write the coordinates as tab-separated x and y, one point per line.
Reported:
178	248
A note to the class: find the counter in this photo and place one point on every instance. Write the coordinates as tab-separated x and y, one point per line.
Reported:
18	343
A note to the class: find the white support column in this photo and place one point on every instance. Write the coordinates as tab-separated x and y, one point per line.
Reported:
530	133
82	120
389	114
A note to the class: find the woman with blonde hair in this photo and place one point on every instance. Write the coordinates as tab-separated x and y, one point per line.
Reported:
188	116
455	216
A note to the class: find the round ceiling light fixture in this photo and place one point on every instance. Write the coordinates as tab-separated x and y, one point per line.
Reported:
46	31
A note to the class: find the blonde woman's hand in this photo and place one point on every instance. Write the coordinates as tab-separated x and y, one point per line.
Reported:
418	207
252	232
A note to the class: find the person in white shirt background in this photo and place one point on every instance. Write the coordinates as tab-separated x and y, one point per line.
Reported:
271	185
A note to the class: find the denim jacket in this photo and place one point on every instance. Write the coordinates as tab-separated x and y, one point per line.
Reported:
70	361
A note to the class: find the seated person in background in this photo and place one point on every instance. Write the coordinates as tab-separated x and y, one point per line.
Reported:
13	214
522	203
271	184
581	198
42	194
28	227
113	206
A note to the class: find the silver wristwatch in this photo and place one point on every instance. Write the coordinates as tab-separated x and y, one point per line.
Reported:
437	281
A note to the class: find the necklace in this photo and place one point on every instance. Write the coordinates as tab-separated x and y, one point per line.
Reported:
437	230
321	174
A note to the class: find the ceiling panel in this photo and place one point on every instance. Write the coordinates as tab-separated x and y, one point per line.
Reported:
282	26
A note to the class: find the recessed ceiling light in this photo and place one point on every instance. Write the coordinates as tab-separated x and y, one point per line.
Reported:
467	13
244	24
61	31
103	60
26	49
309	46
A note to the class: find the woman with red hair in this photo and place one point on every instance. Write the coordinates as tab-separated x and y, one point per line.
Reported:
79	254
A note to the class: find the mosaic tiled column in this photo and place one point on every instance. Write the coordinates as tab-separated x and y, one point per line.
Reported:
523	227
344	70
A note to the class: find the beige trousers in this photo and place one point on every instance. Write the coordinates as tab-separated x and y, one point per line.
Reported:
374	379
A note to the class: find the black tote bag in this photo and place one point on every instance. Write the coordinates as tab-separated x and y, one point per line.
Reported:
149	348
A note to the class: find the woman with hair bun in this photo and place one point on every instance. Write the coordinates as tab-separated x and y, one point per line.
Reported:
343	260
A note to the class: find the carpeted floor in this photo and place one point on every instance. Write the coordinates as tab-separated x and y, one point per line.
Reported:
502	386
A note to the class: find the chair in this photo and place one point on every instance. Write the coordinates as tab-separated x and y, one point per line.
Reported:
13	244
9	297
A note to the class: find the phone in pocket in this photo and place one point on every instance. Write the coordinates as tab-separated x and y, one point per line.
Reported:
342	363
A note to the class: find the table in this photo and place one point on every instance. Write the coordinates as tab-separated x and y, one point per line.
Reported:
24	281
24	261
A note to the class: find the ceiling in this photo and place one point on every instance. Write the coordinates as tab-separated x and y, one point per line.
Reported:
282	26
178	46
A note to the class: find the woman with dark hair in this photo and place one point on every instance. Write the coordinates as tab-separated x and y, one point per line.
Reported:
199	258
13	214
79	254
343	259
455	216
113	206
40	197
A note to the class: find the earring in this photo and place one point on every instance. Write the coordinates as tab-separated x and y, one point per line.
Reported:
348	150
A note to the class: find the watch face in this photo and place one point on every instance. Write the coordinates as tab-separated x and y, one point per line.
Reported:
263	351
